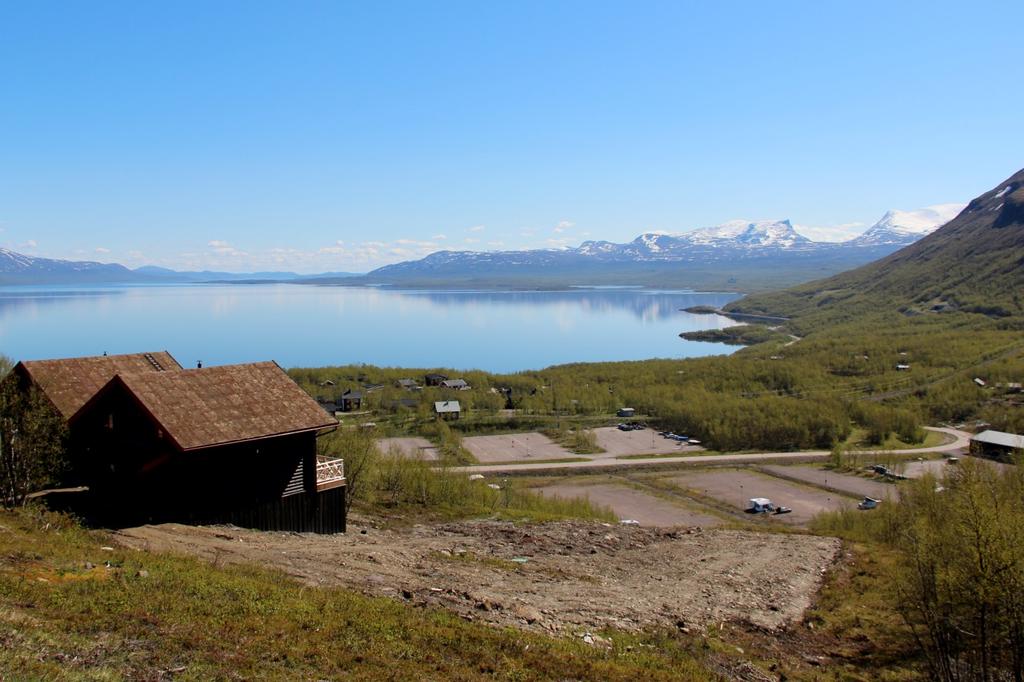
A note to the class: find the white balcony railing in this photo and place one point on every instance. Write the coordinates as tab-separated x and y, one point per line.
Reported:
329	470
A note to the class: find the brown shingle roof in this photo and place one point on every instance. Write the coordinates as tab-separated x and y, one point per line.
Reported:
200	408
71	382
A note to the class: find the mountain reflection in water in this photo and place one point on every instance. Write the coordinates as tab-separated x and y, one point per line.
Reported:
301	325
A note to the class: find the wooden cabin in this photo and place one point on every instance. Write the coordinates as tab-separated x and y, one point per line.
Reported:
232	444
997	445
350	400
447	409
434	379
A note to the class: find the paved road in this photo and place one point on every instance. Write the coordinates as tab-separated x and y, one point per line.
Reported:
961	440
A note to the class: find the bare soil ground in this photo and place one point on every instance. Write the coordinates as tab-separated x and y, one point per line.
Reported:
938	467
630	503
410	447
647	442
735	487
525	447
560	577
848	483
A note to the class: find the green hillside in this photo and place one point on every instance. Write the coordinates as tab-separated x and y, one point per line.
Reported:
973	267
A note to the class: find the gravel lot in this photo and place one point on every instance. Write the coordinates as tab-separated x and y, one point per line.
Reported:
858	486
647	442
410	447
525	447
630	503
735	487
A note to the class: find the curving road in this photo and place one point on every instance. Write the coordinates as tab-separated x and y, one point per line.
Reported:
960	441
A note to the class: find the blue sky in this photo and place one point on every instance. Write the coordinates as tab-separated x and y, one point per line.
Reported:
341	136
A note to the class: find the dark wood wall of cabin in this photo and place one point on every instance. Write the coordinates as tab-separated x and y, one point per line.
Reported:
137	474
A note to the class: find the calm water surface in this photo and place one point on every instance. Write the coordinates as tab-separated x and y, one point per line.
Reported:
304	326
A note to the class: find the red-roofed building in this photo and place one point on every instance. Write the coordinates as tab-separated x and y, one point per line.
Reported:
231	444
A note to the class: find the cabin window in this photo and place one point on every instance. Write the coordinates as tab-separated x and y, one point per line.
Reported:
159	433
110	421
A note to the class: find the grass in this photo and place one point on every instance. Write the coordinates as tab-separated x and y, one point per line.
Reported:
858	440
400	484
71	610
579	440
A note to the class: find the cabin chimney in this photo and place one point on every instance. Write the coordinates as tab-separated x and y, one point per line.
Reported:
199	365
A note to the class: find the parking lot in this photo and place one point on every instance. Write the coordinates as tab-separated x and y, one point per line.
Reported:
848	483
630	503
735	487
409	447
515	447
617	443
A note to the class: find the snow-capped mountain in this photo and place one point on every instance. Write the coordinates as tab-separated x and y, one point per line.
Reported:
906	227
778	234
18	268
738	246
737	236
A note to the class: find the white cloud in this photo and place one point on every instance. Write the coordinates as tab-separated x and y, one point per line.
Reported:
477	228
556	243
30	244
439	237
470	240
562	226
496	244
101	249
219	254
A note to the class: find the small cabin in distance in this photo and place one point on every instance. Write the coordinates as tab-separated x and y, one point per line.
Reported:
434	379
350	400
448	409
455	384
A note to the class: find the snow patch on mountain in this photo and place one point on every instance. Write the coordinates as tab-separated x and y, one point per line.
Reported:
904	227
762	233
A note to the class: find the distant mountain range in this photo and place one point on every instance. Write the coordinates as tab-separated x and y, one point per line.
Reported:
972	264
737	256
19	268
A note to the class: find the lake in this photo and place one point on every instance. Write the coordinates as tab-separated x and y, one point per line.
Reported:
305	326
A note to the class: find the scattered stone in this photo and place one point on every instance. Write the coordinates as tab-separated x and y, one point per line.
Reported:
527	613
142	573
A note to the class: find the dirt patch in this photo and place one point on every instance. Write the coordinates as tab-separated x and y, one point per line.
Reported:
857	486
617	443
515	447
410	447
559	577
630	503
735	487
939	467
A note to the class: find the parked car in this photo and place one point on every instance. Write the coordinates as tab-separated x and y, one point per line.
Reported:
868	503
